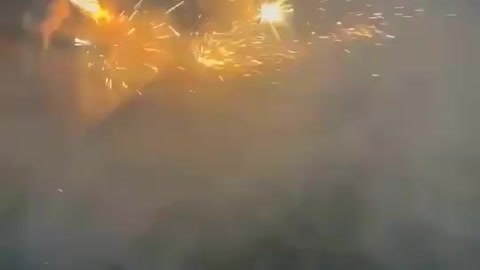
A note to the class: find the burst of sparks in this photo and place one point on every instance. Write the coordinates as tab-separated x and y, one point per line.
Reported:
129	56
362	19
248	48
245	50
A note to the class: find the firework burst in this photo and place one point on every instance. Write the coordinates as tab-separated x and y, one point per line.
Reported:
128	50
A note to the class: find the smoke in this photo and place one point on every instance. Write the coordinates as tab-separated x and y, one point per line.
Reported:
331	169
45	18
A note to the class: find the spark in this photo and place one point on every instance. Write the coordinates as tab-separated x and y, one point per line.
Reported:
170	10
174	31
131	31
82	42
274	12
